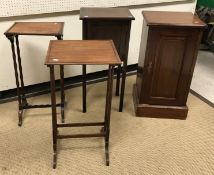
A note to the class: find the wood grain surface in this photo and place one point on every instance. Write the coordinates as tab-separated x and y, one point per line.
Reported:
82	52
36	28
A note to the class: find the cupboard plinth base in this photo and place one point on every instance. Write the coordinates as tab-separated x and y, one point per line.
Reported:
158	111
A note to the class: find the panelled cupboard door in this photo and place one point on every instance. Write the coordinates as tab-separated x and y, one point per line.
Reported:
169	62
118	31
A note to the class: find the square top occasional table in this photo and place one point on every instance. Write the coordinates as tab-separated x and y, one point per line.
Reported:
108	24
74	52
31	28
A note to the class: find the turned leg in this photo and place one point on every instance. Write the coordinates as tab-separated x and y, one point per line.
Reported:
23	97
20	112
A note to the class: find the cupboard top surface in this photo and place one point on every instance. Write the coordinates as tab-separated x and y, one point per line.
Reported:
172	19
105	13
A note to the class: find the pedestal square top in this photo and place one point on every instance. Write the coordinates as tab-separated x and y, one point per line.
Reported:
105	13
164	18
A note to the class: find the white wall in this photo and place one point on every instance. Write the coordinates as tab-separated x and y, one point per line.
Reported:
34	48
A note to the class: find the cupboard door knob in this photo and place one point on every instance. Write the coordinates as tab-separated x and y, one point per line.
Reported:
150	67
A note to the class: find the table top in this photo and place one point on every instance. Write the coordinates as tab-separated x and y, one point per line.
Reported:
36	28
172	19
105	13
78	52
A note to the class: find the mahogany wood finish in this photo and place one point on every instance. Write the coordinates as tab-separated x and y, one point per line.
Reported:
30	28
167	58
83	52
105	24
185	19
36	28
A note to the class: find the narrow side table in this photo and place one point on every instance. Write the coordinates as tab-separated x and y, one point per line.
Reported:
108	24
81	53
31	28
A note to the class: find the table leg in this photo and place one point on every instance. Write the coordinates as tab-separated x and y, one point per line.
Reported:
11	38
84	87
124	68
60	37
62	93
108	111
23	97
54	115
118	80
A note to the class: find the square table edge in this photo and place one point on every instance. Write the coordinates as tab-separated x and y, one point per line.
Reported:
111	42
7	33
106	18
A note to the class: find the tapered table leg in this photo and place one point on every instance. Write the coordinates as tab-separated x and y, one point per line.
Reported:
118	80
62	93
124	68
54	115
84	87
62	90
108	111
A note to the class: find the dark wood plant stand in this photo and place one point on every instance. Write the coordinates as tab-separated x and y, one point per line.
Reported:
31	28
81	53
112	24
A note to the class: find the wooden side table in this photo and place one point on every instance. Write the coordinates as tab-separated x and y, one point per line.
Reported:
31	28
168	53
113	24
81	53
